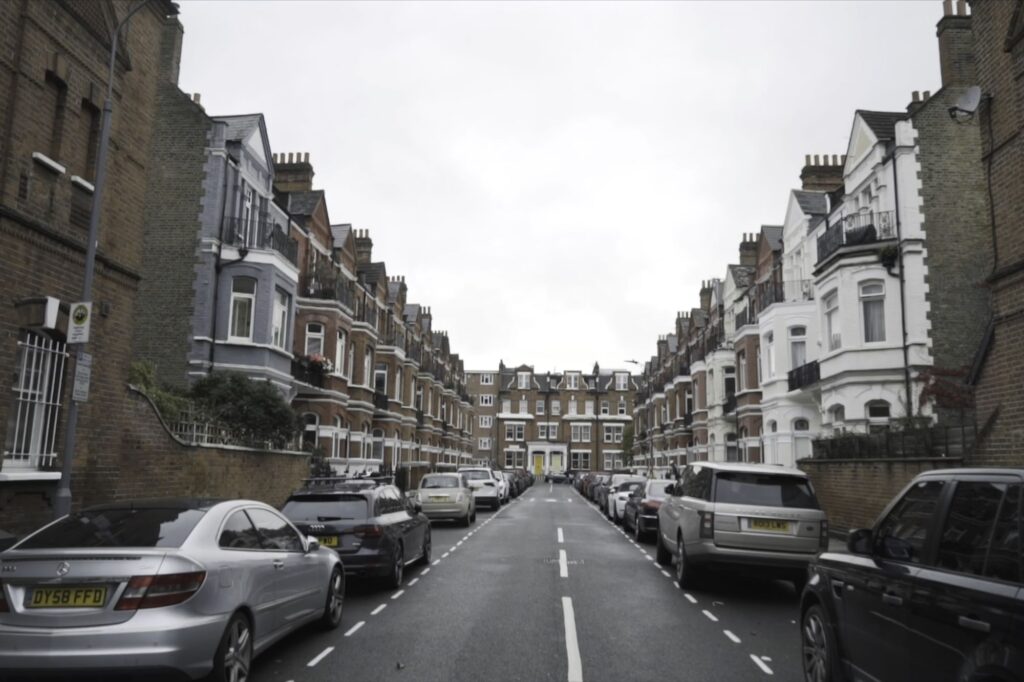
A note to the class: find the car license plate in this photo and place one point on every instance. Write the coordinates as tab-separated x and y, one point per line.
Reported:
328	540
438	498
67	597
769	525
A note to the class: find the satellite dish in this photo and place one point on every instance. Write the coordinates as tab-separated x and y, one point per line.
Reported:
969	101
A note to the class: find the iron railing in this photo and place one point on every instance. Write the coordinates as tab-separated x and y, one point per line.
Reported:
857	228
260	233
804	375
910	443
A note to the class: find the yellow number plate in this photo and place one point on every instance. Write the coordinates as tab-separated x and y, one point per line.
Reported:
328	540
438	498
67	597
769	525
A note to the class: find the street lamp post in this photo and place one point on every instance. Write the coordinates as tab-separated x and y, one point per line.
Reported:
62	504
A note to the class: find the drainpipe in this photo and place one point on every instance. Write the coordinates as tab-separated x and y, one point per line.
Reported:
891	155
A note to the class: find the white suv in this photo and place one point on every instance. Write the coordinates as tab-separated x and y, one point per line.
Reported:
485	485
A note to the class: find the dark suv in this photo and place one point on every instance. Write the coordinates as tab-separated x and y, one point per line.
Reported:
935	591
372	526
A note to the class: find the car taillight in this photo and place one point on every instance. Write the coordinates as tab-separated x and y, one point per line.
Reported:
823	540
707	524
3	600
373	531
651	507
154	591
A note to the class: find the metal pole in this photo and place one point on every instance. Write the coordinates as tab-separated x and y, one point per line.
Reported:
62	504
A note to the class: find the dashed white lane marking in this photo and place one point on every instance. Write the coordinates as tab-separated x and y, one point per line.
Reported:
424	571
648	556
459	543
690	598
666	574
355	628
398	594
561	537
320	656
760	664
445	555
713	617
378	609
413	581
563	566
572	647
435	562
734	638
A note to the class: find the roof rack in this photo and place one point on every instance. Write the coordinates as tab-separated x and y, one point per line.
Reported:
335	481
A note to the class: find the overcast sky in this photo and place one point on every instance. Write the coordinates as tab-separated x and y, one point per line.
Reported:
556	179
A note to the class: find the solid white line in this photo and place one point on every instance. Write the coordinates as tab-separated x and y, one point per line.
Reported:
413	582
710	615
561	538
666	574
563	567
378	609
424	571
761	665
572	647
690	598
734	638
435	562
352	630
398	594
320	656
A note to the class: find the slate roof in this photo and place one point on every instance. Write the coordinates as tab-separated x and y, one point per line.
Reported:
411	312
340	234
304	203
813	203
373	272
743	275
240	127
673	343
773	234
393	289
882	123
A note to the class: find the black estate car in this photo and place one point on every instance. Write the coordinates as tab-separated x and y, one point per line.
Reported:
372	526
935	591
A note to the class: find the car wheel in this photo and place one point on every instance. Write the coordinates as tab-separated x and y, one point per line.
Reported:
473	520
233	659
467	519
821	663
335	600
397	567
662	555
684	569
425	558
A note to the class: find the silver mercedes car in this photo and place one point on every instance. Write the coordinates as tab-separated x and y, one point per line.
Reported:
198	587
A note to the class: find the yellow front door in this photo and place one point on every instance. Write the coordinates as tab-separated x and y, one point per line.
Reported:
538	465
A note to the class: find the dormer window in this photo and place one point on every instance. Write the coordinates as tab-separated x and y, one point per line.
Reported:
572	381
523	380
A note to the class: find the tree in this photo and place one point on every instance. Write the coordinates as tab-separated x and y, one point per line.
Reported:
627	445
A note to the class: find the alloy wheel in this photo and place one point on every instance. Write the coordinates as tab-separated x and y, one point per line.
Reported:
637	534
238	655
398	570
336	597
815	647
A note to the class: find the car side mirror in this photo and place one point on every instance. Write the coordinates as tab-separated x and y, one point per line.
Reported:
312	544
860	541
670	489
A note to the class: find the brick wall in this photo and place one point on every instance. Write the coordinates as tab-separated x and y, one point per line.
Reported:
148	462
854	492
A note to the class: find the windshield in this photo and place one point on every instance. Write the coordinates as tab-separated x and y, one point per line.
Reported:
118	528
326	508
477	475
764	489
440	482
629	486
656	490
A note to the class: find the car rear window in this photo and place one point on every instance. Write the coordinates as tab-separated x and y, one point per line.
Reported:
657	490
478	475
325	508
146	527
769	490
440	482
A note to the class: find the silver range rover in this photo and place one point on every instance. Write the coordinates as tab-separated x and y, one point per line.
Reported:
758	517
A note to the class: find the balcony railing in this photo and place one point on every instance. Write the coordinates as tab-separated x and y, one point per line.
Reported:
776	291
804	375
260	233
333	288
311	374
857	228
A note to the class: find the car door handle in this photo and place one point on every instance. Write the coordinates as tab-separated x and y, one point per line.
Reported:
278	563
892	599
837	588
973	624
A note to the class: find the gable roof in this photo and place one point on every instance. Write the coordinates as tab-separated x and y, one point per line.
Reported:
240	128
813	203
882	123
773	235
305	203
340	234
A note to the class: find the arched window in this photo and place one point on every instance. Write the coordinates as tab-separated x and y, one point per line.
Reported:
801	425
773	426
877	413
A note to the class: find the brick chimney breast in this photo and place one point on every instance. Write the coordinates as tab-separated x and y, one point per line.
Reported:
821	175
364	246
956	47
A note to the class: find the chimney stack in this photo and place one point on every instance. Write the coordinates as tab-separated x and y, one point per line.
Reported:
748	250
822	175
364	247
956	46
705	295
294	173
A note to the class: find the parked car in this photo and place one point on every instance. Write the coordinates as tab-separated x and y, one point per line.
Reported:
375	529
599	479
504	487
613	488
641	511
934	591
485	486
617	497
741	515
447	496
199	587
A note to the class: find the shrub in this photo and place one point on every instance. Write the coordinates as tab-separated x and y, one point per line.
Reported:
254	412
170	403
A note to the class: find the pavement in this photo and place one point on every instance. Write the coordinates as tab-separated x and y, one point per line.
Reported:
547	589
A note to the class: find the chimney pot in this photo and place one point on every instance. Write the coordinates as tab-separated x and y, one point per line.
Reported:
947	7
961	8
807	159
291	157
835	159
817	160
305	158
915	96
196	97
925	95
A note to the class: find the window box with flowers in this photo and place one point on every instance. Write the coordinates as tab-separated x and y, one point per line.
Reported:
312	368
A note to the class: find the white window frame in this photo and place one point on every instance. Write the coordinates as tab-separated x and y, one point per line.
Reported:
875	298
523	380
242	298
539	407
588	407
581	433
830	308
486	399
613	433
282	305
572	381
484	444
313	335
795	340
486	421
622	406
34	411
506	406
340	343
621	381
556	408
515	431
769	354
486	379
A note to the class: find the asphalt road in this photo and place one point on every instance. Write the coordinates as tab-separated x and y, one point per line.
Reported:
501	602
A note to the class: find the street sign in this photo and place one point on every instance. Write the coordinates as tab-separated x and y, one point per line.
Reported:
83	372
78	322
